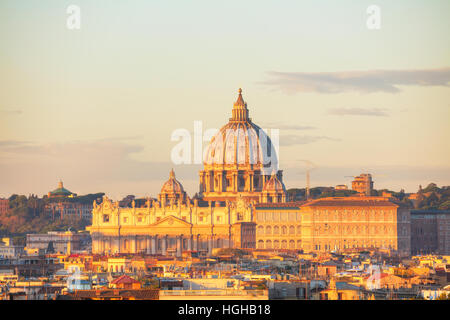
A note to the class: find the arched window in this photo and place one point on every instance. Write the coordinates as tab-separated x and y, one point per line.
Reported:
260	230
268	230
276	244
284	244
260	244
276	230
268	244
291	230
291	244
299	230
283	230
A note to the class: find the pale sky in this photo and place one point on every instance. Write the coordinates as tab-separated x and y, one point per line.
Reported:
96	107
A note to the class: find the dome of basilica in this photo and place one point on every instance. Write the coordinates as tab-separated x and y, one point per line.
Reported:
239	160
241	143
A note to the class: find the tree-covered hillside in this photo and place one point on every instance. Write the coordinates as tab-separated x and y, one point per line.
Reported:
27	215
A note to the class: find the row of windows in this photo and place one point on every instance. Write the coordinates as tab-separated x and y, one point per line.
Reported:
326	229
354	217
279	244
283	230
140	219
354	211
355	244
278	216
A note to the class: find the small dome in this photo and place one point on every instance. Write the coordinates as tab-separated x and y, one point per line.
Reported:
274	185
60	191
172	185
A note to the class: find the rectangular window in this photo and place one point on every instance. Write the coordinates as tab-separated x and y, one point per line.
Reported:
291	216
260	216
276	216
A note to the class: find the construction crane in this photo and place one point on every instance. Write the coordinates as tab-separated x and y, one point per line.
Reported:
308	169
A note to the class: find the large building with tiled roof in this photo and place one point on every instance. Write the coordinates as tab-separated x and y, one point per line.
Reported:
334	224
356	222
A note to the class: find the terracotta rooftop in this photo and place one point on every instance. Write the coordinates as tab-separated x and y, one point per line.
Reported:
124	279
140	294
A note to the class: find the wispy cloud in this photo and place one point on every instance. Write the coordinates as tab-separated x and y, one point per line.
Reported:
285	126
107	165
375	112
291	140
357	81
13	143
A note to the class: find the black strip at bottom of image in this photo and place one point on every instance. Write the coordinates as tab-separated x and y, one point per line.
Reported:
225	309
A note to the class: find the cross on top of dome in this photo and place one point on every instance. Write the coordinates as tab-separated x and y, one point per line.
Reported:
240	101
240	111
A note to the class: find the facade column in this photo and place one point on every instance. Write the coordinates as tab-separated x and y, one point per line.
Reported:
148	244
164	245
208	182
102	246
189	243
202	181
179	240
235	182
220	182
154	243
251	181
134	244
209	239
195	242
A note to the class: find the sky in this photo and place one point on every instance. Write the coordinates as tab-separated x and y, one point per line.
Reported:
96	107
